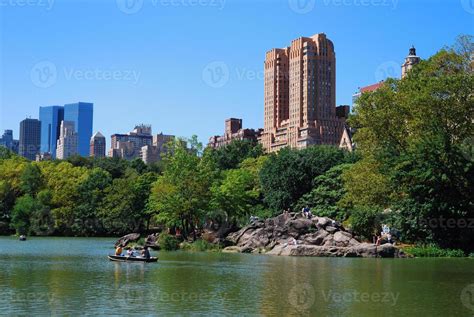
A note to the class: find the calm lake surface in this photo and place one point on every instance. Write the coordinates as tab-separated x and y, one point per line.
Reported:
72	276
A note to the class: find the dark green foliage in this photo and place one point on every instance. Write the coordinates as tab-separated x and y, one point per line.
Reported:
432	250
168	242
5	153
416	133
230	156
31	180
41	219
328	190
24	207
365	222
286	177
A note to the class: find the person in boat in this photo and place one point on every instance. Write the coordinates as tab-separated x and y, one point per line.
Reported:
130	252
146	253
119	250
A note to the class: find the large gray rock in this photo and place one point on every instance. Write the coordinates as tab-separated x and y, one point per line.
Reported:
131	237
318	236
362	250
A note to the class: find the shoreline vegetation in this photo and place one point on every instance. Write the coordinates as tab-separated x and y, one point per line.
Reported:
412	170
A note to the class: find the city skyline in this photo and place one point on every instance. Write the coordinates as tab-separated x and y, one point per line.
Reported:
131	80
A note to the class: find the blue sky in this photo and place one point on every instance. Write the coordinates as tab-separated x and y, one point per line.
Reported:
184	66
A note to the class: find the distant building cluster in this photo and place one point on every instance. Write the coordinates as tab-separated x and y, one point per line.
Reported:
234	131
7	141
299	111
140	143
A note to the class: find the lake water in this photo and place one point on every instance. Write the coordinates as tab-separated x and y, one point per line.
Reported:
72	276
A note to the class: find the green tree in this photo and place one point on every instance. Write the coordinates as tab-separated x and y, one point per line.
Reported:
180	197
31	179
328	190
22	211
231	155
91	194
288	175
414	131
41	219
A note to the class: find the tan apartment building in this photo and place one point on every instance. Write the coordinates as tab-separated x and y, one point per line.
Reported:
234	131
300	95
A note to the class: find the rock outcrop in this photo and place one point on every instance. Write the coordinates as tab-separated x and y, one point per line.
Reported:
292	234
123	241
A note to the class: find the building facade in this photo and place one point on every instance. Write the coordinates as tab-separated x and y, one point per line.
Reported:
81	113
9	142
153	153
97	145
300	95
50	118
129	146
30	137
234	131
411	60
68	141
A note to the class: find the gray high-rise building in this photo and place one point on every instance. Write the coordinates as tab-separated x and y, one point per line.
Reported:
50	118
7	141
30	136
81	113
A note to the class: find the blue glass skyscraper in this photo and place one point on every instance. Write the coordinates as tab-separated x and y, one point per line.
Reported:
81	113
50	118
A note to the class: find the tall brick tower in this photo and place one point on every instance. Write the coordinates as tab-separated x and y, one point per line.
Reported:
300	95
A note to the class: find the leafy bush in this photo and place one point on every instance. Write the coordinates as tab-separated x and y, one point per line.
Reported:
199	246
432	250
168	242
364	221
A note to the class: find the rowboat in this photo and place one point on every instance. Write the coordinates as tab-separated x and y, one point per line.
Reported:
119	258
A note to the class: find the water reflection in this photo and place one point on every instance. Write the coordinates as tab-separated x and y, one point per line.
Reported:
73	276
